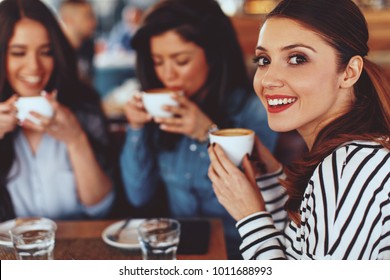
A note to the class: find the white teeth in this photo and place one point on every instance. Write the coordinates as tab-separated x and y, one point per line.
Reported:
280	101
31	79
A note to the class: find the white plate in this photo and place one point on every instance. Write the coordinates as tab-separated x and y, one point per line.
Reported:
5	238
128	238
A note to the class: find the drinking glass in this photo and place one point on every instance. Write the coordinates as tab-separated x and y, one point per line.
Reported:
159	238
33	238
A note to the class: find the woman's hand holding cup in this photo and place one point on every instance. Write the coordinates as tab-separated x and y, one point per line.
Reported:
62	125
188	119
235	190
8	112
135	112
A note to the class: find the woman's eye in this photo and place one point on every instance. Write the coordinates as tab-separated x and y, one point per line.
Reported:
157	62
17	53
47	53
261	61
182	62
297	59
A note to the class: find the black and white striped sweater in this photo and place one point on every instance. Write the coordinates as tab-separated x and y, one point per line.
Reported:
345	211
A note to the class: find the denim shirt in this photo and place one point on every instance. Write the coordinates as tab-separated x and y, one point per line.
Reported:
184	170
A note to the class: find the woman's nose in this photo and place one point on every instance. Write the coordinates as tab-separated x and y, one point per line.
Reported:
33	62
272	78
169	72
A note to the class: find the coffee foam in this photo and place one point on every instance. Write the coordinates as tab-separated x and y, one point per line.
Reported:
232	132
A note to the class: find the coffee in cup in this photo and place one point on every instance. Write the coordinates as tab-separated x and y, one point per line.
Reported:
236	142
38	104
155	99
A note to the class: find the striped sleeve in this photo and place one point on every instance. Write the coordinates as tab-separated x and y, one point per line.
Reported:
262	232
346	208
275	197
261	240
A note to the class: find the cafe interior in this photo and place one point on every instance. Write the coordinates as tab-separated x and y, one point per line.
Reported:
115	80
246	16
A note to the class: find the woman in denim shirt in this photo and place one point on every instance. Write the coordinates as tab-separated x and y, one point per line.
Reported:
189	46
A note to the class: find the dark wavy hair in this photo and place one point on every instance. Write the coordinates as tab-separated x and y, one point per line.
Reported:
71	92
203	23
342	26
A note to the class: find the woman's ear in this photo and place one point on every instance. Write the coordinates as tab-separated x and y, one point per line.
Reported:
352	72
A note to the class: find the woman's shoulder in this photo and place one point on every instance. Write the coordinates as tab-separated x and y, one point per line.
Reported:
354	171
355	160
363	148
355	151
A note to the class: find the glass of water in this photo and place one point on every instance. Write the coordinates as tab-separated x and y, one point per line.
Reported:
33	238
159	238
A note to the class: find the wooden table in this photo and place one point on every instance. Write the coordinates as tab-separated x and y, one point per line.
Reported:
81	240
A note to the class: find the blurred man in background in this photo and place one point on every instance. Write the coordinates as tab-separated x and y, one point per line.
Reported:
79	24
121	34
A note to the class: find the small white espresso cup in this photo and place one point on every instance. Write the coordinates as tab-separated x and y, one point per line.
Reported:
155	99
236	142
38	104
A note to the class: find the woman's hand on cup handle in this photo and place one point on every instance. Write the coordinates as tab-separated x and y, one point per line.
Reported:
189	119
135	112
264	159
235	190
8	112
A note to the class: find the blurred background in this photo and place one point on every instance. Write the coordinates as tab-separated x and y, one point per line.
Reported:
117	20
108	62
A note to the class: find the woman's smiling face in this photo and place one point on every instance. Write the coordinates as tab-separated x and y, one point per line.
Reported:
297	78
29	58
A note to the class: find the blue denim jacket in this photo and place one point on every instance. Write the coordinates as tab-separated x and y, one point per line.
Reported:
184	170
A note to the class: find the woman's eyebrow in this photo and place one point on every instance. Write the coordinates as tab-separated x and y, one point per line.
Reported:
25	46
289	47
293	46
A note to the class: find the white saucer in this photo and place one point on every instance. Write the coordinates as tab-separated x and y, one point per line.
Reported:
4	228
128	238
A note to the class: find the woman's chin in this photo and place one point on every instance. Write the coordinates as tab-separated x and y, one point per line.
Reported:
280	127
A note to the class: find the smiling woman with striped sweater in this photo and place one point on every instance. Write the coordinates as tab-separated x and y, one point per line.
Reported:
334	203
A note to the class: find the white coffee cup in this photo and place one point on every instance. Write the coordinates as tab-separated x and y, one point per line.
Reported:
236	142
155	99
38	104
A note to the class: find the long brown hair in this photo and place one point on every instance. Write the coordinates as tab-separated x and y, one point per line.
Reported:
342	26
71	92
